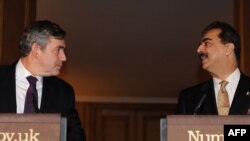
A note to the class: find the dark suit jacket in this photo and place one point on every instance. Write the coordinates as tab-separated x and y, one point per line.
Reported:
190	98
57	97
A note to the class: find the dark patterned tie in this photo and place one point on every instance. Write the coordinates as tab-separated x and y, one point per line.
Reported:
31	100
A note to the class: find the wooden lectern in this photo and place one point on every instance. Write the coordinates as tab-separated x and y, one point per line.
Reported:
198	127
32	127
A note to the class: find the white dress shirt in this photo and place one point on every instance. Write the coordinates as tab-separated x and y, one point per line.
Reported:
22	85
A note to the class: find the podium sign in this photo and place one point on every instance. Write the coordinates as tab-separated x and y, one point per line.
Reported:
30	127
201	127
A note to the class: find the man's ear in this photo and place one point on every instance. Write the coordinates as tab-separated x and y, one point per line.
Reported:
230	48
34	49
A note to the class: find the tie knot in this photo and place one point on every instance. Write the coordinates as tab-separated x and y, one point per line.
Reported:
32	80
223	85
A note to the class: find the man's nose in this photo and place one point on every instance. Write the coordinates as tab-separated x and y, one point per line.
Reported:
62	56
200	48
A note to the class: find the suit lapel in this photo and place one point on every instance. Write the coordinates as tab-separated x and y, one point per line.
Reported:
48	94
8	87
241	101
209	106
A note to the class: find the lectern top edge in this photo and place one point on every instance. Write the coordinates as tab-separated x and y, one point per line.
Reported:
12	117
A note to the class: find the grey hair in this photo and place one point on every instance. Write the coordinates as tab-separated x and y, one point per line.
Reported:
39	32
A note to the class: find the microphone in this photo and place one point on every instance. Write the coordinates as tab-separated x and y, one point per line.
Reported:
197	108
248	94
35	101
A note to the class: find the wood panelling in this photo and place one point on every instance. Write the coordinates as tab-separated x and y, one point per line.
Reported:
148	125
15	15
242	20
113	125
123	121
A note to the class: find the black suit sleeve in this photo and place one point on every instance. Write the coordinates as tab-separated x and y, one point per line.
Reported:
59	97
181	108
74	130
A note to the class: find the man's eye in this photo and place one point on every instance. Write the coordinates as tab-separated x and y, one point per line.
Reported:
60	49
206	43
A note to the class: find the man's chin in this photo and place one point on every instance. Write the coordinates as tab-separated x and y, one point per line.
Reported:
204	66
52	74
56	73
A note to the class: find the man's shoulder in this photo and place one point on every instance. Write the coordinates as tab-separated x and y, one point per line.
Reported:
57	84
56	81
7	69
197	87
245	77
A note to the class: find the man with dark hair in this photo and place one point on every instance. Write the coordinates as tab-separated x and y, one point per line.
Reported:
227	93
30	85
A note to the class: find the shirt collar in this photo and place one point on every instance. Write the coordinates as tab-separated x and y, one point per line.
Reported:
232	78
22	72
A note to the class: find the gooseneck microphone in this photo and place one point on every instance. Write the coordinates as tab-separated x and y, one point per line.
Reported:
197	108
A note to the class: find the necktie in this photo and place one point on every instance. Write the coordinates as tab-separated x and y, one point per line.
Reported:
223	100
31	104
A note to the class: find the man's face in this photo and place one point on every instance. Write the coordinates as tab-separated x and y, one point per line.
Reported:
51	58
212	51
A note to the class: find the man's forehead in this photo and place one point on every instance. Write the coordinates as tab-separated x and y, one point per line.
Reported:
56	40
213	33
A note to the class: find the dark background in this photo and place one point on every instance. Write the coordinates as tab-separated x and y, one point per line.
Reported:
133	48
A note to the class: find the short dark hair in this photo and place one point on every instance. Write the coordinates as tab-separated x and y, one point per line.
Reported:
39	32
227	35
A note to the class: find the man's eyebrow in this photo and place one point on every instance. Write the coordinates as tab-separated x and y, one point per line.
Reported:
205	39
61	47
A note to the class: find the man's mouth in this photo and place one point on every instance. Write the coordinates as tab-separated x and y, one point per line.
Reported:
203	55
59	66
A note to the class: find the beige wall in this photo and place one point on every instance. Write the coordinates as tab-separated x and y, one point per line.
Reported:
133	48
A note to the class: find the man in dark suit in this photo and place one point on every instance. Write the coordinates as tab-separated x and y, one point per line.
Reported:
219	51
42	55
